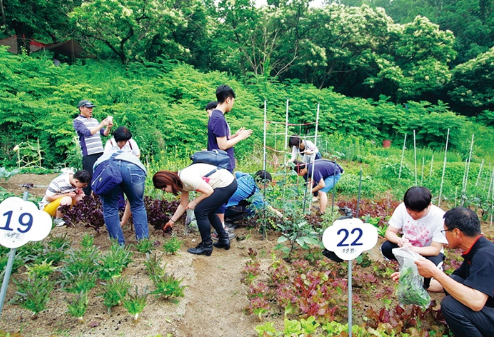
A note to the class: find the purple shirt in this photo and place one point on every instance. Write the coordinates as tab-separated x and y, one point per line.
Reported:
217	128
322	169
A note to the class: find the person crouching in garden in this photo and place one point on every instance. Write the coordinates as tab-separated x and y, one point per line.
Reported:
418	224
324	174
215	187
133	178
66	189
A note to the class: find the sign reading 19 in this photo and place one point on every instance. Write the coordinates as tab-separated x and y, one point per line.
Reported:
25	220
347	234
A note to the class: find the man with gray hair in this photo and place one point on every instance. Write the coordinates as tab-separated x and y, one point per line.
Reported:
89	132
468	307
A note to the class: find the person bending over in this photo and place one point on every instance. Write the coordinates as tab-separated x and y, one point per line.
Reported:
66	189
215	187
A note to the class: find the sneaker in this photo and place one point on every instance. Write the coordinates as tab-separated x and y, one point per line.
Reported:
59	222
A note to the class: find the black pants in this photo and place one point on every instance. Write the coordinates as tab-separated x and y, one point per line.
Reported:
87	164
387	250
205	211
463	321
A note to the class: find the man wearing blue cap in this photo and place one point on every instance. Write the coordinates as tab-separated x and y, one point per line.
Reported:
89	132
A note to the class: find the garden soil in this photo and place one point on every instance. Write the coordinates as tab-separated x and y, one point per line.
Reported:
214	300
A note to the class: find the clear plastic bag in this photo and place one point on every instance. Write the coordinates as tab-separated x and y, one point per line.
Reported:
410	286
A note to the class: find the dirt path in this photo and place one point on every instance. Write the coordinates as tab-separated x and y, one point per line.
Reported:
215	298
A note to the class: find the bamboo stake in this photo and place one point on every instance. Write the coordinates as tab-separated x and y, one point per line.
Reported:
456	194
444	170
402	154
432	162
422	177
468	167
480	172
415	155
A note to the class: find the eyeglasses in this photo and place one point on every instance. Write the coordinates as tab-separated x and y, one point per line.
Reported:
446	230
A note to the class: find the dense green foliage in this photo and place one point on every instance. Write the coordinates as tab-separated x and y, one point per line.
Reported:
404	49
163	105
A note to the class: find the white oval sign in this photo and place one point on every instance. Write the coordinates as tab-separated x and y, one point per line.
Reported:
21	221
348	238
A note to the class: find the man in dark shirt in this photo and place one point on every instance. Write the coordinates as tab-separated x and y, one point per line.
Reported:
469	305
218	129
324	175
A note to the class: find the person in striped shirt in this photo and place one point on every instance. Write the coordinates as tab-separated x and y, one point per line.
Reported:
89	132
66	189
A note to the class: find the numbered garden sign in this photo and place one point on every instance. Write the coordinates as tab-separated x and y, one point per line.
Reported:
21	221
348	238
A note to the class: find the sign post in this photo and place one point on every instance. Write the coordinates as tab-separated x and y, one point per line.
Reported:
348	238
20	222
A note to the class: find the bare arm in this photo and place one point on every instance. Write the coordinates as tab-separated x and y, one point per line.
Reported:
225	144
184	199
392	235
318	186
54	197
469	297
432	250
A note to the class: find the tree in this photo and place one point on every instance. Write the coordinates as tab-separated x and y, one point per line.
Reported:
416	60
132	29
39	19
344	43
472	85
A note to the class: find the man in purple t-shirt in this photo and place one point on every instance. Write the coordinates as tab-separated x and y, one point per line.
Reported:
218	130
324	175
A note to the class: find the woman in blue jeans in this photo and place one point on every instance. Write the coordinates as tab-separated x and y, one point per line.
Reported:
133	177
215	187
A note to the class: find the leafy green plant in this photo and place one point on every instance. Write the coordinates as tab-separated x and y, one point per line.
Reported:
168	286
59	242
114	291
173	245
44	269
87	241
33	293
6	175
114	261
153	267
80	282
145	246
135	302
77	307
80	269
297	232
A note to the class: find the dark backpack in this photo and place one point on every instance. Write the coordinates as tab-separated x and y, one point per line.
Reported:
106	176
218	158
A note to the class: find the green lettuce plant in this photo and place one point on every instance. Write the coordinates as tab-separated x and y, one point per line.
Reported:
135	302
114	291
33	293
78	306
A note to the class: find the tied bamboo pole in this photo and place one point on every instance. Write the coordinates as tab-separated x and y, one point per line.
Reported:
415	155
444	170
468	165
480	172
402	154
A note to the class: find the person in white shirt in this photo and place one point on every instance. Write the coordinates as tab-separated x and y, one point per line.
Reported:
421	226
214	186
307	150
122	141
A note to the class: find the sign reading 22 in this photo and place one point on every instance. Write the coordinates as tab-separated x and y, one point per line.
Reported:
347	234
25	220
